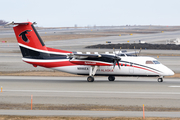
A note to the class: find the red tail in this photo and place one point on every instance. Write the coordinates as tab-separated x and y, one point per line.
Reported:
27	35
31	44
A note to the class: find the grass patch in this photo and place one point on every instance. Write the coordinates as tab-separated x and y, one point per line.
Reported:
80	118
90	107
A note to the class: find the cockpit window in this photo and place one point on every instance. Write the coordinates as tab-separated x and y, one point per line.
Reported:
149	62
152	62
156	62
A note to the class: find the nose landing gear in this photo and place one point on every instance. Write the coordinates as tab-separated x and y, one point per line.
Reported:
160	79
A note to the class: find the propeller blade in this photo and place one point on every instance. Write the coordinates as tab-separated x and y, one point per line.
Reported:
114	51
118	64
116	58
115	61
119	50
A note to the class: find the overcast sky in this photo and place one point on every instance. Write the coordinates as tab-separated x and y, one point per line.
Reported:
62	13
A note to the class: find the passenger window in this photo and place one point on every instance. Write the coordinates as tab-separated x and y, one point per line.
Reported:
131	64
149	62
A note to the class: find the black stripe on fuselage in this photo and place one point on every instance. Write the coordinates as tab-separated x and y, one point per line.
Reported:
28	53
105	59
131	63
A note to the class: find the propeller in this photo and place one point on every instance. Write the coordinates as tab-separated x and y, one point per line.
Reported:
115	51
119	51
116	59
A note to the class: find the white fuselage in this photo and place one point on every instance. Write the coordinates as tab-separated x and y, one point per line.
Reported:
131	66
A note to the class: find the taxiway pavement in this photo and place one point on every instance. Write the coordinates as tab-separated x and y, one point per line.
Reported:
128	91
89	113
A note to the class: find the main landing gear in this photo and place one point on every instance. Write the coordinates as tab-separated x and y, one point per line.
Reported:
92	72
160	79
111	78
90	79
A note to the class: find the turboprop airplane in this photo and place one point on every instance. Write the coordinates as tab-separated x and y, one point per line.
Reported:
36	53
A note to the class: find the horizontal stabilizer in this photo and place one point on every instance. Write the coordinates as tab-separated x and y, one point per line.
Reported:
24	23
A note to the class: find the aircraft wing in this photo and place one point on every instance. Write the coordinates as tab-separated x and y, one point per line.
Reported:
133	52
94	59
77	55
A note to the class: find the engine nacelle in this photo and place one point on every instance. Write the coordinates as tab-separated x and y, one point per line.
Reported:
92	63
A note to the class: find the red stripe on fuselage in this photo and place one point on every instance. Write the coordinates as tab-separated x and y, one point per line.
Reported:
138	67
51	64
145	69
91	63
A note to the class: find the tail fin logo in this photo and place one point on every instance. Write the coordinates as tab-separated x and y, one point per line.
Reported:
23	35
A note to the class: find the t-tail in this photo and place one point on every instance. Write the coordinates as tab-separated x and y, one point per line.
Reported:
31	44
34	50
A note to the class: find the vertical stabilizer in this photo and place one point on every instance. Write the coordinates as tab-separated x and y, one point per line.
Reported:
31	44
28	37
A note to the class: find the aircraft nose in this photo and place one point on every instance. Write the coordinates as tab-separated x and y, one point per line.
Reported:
169	72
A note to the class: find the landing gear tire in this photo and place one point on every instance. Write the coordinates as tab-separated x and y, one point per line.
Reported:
111	78
160	80
90	79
